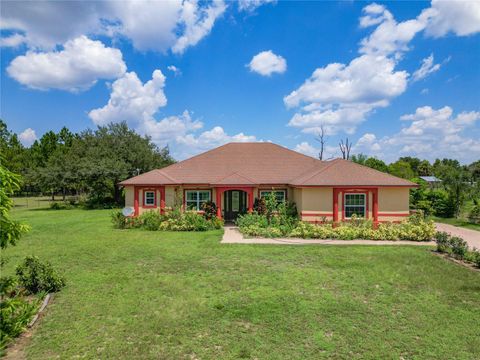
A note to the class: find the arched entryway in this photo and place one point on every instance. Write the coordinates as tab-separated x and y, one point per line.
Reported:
234	204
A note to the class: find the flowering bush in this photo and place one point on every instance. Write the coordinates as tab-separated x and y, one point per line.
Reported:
414	228
174	220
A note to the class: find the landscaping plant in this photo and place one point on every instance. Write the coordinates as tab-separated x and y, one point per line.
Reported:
37	276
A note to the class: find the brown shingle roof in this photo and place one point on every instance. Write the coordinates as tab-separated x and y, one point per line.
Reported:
264	163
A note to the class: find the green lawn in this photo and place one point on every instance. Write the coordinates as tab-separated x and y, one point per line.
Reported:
135	294
457	222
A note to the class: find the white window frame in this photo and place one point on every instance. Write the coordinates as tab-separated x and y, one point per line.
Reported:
269	191
364	204
198	205
145	202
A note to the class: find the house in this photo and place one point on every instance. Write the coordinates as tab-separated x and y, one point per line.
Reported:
432	181
233	175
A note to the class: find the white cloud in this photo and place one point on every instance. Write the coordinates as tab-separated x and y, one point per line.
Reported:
137	103
266	63
27	137
252	5
12	40
150	25
176	71
329	152
132	101
432	133
389	37
77	67
428	67
424	91
198	22
460	17
340	96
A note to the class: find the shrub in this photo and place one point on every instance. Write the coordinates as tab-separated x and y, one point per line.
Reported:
442	239
259	206
209	210
415	228
459	247
61	206
15	314
475	258
474	215
188	221
151	220
119	220
36	276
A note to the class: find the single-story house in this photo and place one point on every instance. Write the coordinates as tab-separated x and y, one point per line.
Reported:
233	175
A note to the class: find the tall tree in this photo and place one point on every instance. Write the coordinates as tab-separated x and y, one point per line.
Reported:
345	148
401	169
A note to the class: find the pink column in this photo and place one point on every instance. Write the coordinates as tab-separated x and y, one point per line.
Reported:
250	200
219	202
135	201
162	199
335	205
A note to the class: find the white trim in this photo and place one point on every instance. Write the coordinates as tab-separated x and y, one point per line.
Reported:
197	201
269	191
145	192
345	204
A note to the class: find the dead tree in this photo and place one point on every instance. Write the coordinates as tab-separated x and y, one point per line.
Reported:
321	139
345	148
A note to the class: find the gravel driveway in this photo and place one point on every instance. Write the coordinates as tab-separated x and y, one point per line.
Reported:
472	237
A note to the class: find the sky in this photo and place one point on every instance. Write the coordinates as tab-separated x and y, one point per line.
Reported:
396	78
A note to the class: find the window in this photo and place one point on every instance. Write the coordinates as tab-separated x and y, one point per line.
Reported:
149	198
195	198
355	204
279	194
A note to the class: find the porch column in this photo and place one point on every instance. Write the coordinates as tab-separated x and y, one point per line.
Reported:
162	199
250	200
219	192
135	200
335	205
375	206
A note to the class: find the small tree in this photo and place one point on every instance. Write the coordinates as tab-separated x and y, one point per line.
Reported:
321	139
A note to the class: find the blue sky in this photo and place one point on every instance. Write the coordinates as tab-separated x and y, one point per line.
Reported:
397	78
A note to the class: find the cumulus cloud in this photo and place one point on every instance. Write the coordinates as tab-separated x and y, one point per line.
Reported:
431	133
137	103
428	67
27	137
192	144
459	17
150	25
76	67
266	63
252	5
132	101
340	96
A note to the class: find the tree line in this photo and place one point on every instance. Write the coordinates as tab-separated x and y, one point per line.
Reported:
457	192
89	163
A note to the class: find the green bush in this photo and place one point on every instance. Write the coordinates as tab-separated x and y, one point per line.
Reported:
475	258
61	206
188	221
459	247
259	206
119	220
36	276
151	220
415	228
474	215
15	314
442	239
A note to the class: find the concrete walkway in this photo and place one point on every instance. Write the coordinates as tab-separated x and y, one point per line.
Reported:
233	236
472	237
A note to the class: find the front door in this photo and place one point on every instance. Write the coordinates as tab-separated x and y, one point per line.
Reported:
235	203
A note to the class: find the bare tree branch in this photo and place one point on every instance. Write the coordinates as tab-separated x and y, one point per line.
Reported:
321	139
345	148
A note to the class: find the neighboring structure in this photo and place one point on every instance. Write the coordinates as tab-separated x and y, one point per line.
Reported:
431	180
233	175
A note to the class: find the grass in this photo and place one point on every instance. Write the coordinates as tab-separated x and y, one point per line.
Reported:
135	294
457	222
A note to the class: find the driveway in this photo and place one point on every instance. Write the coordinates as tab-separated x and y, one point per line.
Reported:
472	237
